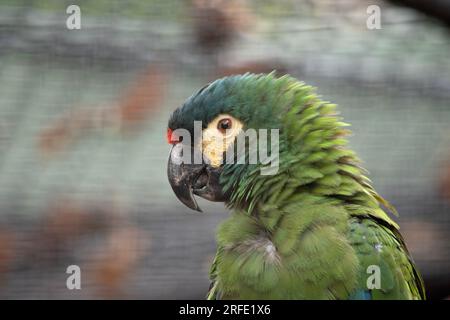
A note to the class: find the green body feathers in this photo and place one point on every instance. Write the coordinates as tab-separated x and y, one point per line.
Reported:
314	229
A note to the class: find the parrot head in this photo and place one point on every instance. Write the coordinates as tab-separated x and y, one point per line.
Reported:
205	128
214	134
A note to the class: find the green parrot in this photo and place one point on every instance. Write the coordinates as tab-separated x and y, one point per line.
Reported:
314	228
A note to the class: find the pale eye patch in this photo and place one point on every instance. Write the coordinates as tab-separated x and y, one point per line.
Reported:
215	142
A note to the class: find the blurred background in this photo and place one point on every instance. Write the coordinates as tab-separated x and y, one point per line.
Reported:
83	115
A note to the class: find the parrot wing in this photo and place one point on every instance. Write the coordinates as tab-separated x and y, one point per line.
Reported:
380	248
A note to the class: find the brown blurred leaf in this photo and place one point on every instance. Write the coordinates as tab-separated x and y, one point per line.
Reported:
118	259
216	22
444	181
136	105
7	250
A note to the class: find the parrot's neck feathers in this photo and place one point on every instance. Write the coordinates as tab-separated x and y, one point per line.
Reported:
315	163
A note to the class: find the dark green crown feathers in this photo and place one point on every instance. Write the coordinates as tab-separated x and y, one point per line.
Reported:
247	97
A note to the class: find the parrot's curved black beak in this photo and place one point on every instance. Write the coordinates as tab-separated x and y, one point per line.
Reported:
188	179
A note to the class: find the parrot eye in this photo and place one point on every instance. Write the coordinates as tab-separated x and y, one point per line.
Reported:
224	125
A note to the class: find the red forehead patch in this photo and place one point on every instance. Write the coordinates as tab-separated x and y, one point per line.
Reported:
169	135
172	138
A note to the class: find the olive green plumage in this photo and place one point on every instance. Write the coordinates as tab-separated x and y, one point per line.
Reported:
311	230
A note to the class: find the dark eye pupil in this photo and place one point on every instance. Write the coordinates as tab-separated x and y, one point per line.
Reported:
225	124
